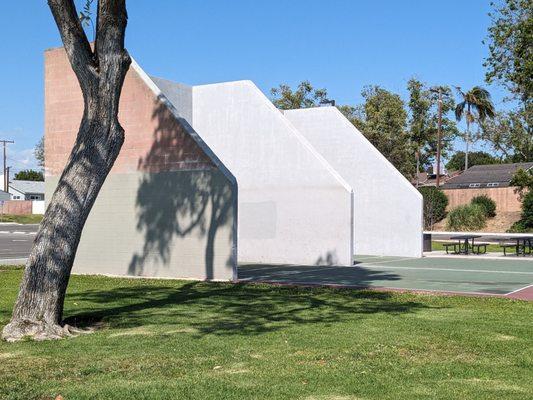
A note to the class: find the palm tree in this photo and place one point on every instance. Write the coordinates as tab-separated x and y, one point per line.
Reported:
478	106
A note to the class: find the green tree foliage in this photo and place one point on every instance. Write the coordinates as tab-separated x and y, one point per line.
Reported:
423	120
38	152
510	63
510	38
522	181
435	203
29	175
470	217
510	136
354	114
527	210
488	205
457	161
525	224
384	124
304	96
85	16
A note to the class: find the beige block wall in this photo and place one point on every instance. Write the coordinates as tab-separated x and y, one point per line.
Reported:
168	224
506	199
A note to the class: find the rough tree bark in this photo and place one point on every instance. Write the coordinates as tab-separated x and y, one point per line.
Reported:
100	72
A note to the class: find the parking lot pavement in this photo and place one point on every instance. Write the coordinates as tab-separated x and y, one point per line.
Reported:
16	241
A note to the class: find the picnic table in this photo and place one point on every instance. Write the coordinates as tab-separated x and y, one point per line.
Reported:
464	243
523	245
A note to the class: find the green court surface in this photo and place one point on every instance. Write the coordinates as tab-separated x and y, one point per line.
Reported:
481	276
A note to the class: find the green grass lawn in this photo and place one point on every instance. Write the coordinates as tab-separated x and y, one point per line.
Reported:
21	219
163	339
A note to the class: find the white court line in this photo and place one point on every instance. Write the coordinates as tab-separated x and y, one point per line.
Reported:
520	289
296	270
449	269
388	261
368	258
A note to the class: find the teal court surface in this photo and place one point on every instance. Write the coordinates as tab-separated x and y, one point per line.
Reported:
511	277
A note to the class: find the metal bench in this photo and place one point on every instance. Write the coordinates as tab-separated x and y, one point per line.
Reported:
476	248
448	245
506	246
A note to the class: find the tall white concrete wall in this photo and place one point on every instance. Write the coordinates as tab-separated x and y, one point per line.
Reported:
388	209
293	207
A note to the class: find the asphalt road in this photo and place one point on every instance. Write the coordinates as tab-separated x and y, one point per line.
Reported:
16	241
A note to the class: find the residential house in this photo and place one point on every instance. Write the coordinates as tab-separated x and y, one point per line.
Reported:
26	190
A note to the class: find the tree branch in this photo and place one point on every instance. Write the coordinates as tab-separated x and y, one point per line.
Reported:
111	27
75	42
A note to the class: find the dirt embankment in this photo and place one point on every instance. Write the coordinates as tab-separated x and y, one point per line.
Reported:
500	223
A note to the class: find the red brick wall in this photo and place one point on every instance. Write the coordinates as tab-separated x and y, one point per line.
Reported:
16	207
154	140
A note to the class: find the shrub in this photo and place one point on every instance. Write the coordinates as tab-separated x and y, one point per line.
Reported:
469	217
487	203
435	203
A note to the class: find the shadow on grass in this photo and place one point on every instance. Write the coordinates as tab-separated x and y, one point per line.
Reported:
228	309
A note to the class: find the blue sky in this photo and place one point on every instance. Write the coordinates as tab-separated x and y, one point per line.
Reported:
341	45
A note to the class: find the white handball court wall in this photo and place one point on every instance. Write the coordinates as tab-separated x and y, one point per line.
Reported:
293	207
388	209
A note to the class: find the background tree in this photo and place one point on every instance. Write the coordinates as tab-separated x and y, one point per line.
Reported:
509	136
522	181
457	160
354	114
419	106
38	152
38	310
29	175
305	96
525	223
510	60
384	124
423	121
435	203
476	105
510	63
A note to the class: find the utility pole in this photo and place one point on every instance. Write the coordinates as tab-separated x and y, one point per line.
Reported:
6	182
439	137
417	155
8	169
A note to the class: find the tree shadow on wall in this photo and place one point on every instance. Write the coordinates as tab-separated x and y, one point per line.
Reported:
182	194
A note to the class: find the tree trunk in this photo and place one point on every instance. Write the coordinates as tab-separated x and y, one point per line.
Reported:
38	311
467	143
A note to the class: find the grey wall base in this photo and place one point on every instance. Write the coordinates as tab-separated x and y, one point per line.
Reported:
169	224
